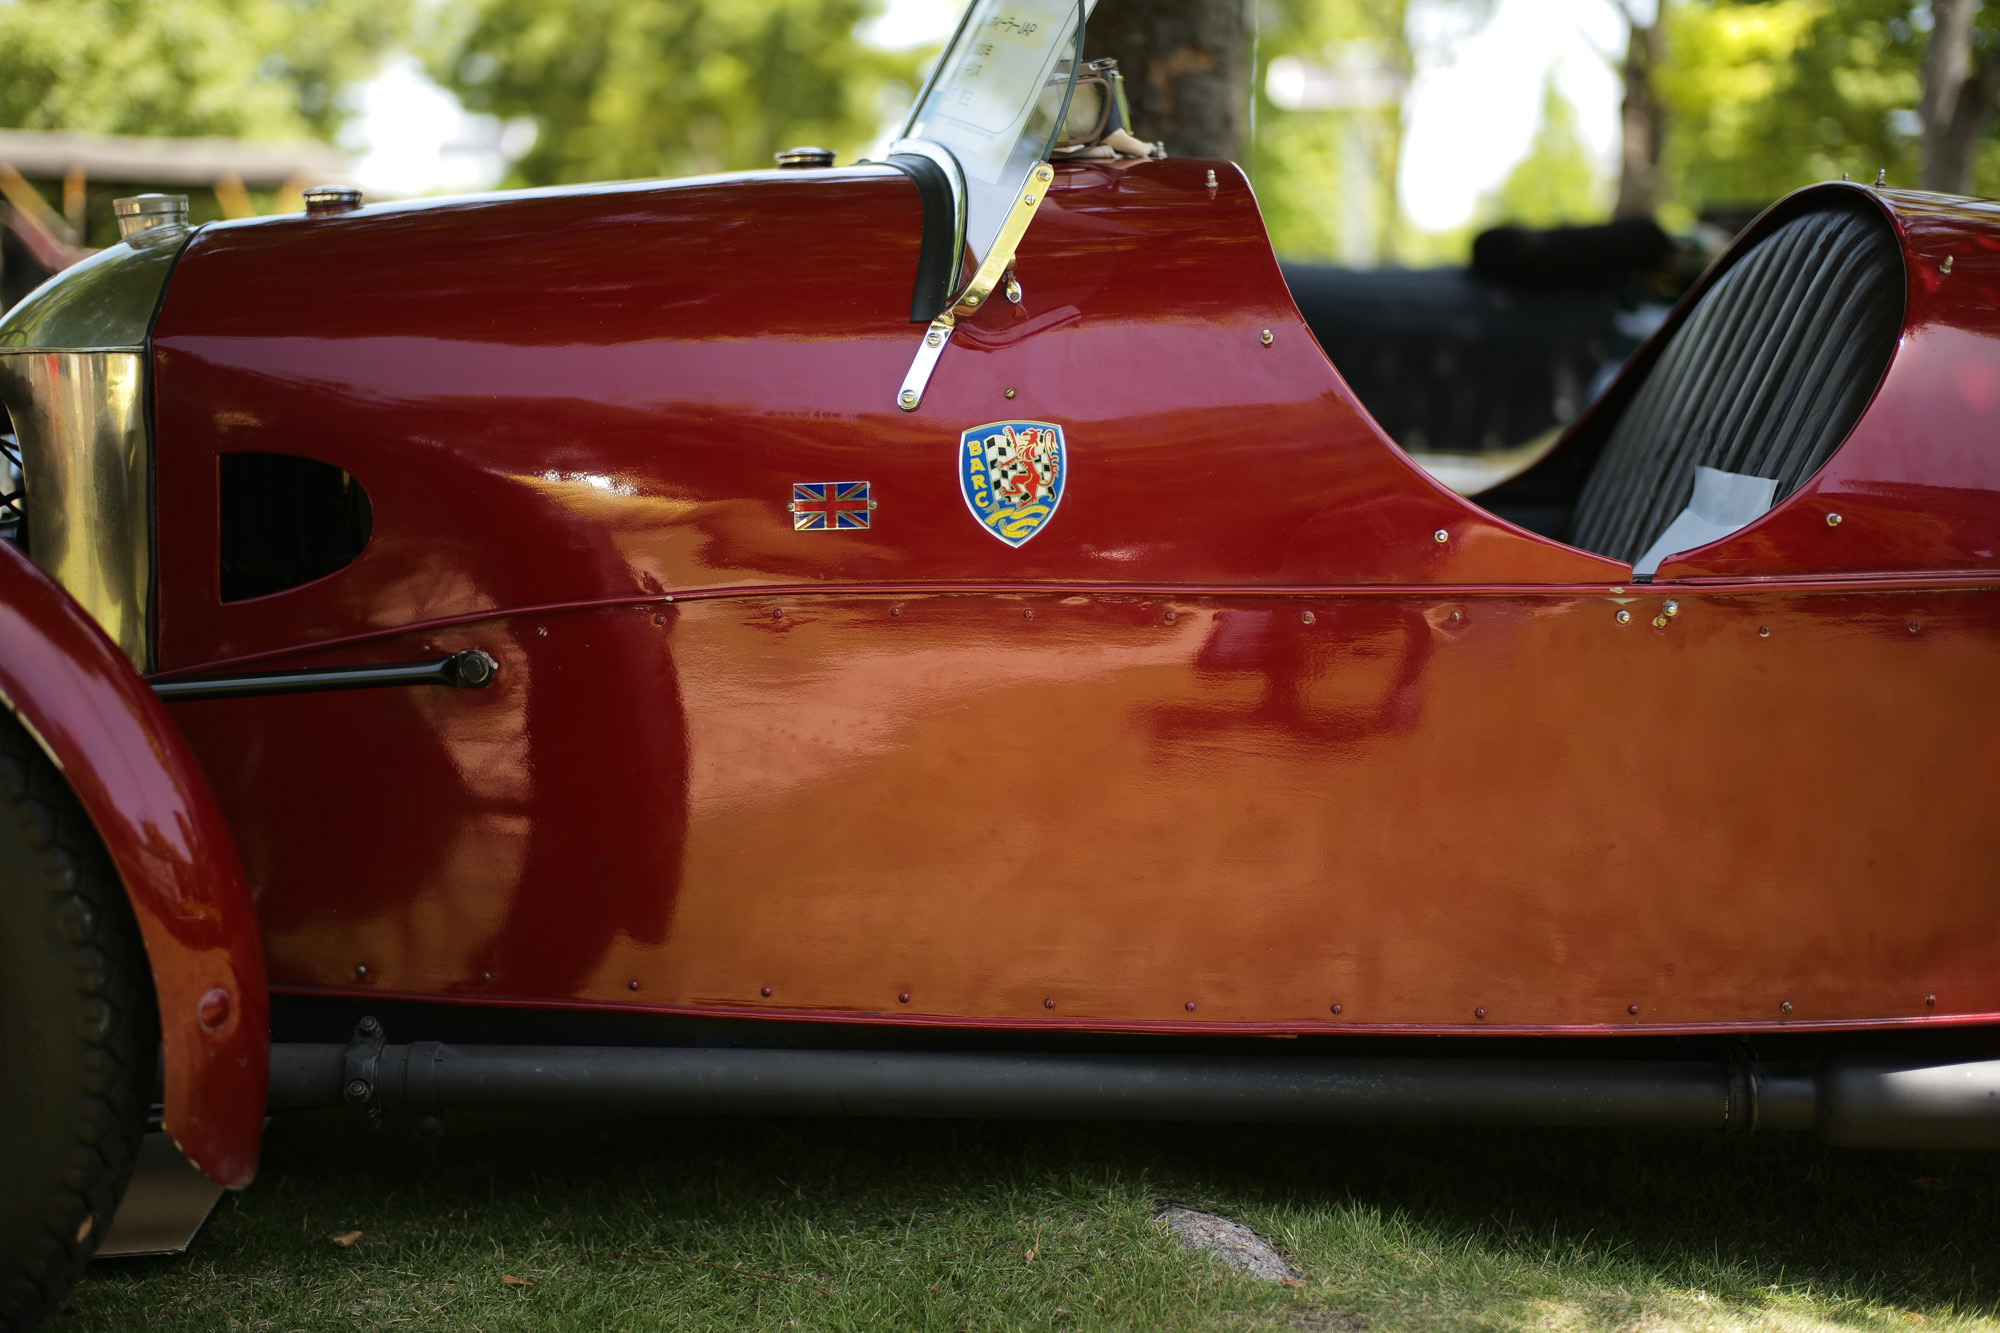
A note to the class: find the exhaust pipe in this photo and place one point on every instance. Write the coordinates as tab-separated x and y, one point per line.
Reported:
1853	1101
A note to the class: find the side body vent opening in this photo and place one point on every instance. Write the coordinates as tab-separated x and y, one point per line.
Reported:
286	521
1766	377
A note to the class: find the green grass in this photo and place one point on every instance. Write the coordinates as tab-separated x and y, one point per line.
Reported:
949	1226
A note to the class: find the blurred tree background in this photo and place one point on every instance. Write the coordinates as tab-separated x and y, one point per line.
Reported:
1728	103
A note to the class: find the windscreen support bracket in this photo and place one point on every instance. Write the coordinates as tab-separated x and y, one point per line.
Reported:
991	269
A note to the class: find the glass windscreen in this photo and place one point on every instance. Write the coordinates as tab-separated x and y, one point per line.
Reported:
998	99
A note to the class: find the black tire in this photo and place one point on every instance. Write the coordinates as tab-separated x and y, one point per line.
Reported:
78	1035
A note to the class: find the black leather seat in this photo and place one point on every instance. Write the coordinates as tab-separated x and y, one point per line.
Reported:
1765	378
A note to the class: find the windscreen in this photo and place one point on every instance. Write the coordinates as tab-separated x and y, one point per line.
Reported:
998	99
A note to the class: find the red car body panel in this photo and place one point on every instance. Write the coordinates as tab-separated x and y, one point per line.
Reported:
152	806
1266	731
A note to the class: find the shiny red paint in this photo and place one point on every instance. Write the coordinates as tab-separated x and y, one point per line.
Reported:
1236	730
152	806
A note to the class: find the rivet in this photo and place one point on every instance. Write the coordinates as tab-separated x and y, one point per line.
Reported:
903	997
1049	1003
1659	622
1440	536
1672	608
1623	617
765	991
361	970
1027	613
1169	617
632	985
1763	631
1945	267
1010	393
541	631
1930	1001
1306	617
1211	178
1915	626
1336	1008
907	400
1631	1008
1480	1012
1784	1006
1833	520
1189	1006
1265	337
485	978
213	1011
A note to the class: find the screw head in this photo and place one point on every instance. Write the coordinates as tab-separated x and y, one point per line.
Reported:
485	978
1631	1008
765	992
1440	536
1784	1006
777	613
1306	617
933	338
895	611
1189	1006
1671	609
632	985
659	620
1010	393
1480	1012
1455	617
1027	199
361	969
1930	1001
1168	617
1049	1002
907	400
541	631
1045	174
1265	337
1623	616
1659	622
1336	1008
1027	613
1763	631
1915	626
1945	267
1833	520
903	998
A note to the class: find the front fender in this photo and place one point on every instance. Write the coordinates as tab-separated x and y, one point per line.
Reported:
152	806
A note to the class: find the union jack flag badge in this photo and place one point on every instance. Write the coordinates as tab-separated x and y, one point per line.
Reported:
828	506
1013	475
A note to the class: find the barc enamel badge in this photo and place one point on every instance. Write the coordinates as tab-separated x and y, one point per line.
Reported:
1013	474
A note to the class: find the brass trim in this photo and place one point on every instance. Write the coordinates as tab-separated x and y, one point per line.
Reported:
86	468
999	258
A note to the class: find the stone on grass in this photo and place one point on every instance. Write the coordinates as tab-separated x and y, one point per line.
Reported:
1232	1242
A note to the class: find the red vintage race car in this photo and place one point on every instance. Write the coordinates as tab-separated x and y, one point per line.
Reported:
937	637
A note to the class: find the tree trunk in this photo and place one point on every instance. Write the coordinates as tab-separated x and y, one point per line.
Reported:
1187	70
1642	123
1958	98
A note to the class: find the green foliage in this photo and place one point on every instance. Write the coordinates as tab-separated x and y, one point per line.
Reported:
1326	179
1556	183
256	69
622	88
1763	97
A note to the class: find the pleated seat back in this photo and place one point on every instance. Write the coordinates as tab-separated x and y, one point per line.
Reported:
1765	378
